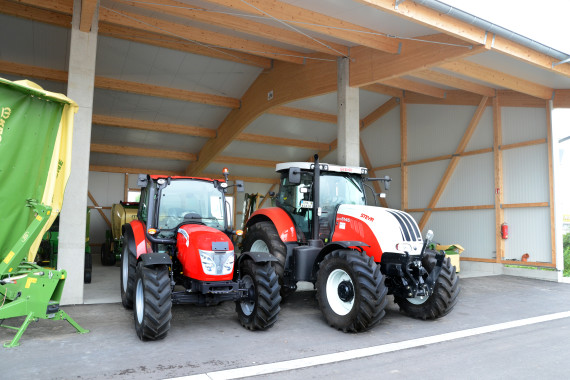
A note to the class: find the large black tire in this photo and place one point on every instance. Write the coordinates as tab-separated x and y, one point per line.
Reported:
128	273
261	311
152	302
88	268
443	298
351	291
263	237
107	255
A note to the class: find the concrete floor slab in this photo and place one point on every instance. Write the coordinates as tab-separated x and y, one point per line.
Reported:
211	339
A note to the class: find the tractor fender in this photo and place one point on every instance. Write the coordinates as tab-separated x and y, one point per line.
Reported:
280	219
257	257
333	246
138	244
151	259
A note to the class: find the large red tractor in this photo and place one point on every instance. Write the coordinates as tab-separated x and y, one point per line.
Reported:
179	251
322	231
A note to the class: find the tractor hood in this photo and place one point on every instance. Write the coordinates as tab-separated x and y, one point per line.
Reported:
383	229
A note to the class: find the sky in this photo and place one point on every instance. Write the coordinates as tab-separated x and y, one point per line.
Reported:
544	21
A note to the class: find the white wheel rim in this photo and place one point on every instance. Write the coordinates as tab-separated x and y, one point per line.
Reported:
336	279
247	306
259	246
418	300
125	269
139	301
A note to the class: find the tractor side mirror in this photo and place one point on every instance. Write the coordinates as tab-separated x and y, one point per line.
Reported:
142	180
294	176
387	181
240	188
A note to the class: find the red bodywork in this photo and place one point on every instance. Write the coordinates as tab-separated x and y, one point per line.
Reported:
141	243
356	229
282	222
199	237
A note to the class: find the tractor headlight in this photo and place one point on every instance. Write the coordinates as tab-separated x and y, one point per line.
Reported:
217	263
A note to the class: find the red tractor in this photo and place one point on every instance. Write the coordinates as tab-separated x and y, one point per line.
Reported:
179	251
322	231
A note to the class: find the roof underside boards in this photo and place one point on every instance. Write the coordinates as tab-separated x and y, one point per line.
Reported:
196	78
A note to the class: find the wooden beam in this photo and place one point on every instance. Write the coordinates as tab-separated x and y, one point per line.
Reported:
384	90
240	24
426	16
153	126
122	169
549	108
88	8
245	179
59	13
199	35
561	98
165	92
282	141
314	21
266	197
303	114
142	152
454	160
311	79
525	205
421	88
99	209
126	188
379	112
455	82
29	71
498	78
452	98
523	143
404	153
370	66
246	161
368	164
510	98
498	160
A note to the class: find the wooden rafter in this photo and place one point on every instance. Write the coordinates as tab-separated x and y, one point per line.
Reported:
370	66
246	161
314	21
421	88
240	24
311	79
384	90
379	112
99	209
267	196
199	35
153	126
88	8
423	15
455	82
142	152
122	85
498	78
303	114
454	161
282	141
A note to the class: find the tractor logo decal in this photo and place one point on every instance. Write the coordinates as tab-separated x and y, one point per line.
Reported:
185	234
366	217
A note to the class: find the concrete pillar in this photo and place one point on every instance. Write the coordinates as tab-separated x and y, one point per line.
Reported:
72	225
348	135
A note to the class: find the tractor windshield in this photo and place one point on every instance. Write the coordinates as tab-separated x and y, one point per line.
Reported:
341	188
191	201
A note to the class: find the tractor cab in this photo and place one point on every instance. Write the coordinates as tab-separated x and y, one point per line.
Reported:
338	185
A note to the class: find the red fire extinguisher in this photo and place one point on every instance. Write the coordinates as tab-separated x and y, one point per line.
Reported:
505	231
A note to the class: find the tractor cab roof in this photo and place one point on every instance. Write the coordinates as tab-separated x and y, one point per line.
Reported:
155	177
324	167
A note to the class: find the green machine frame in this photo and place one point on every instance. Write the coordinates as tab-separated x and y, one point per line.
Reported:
27	289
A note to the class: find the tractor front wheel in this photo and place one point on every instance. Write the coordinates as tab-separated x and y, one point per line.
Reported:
351	291
128	272
260	309
443	298
152	302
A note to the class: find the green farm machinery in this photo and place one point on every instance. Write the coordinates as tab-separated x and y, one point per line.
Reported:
121	213
35	155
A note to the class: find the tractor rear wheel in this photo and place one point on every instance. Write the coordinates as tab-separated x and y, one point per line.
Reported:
351	291
443	298
259	311
128	272
152	302
263	237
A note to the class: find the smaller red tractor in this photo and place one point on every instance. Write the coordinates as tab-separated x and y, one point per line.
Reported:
179	251
322	231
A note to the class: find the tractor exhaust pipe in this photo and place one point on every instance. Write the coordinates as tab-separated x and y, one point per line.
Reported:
315	241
